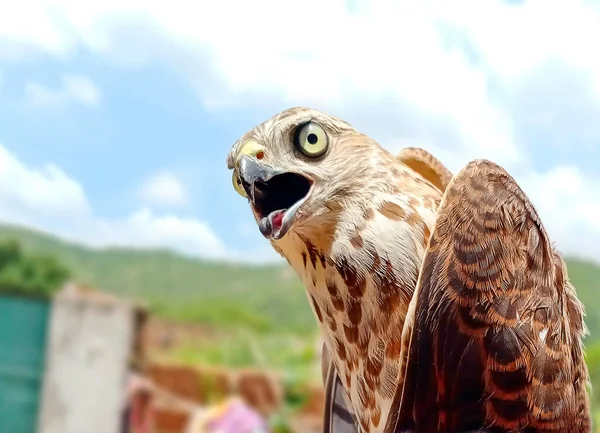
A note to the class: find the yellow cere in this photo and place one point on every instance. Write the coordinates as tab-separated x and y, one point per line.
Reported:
250	148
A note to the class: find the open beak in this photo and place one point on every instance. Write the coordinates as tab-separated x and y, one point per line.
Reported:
275	195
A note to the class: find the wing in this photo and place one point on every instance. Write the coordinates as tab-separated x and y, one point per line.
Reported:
495	341
426	165
338	416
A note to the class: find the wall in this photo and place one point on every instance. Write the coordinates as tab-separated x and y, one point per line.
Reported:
89	346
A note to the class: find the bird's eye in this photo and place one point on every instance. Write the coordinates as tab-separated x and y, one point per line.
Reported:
237	185
311	140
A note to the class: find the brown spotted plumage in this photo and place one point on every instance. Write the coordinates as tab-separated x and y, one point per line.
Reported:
360	226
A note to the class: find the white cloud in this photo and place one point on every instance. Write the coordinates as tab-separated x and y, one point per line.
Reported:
403	68
426	70
164	189
47	189
74	89
514	41
569	204
46	198
144	228
389	59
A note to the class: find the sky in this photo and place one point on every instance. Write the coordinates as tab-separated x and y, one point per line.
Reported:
116	116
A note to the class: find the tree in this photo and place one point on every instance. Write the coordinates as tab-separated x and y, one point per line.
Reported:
32	275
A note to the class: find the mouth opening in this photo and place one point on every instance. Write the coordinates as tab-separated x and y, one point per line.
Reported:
280	193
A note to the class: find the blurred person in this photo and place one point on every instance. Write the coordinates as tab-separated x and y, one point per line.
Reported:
231	416
137	413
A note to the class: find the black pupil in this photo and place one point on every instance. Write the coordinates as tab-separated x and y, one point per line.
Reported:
312	138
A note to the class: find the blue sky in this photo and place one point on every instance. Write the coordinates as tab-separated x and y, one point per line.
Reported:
116	117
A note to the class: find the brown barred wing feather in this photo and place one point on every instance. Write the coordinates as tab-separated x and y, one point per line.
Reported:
495	342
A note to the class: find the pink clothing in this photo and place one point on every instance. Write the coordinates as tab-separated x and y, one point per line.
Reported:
233	416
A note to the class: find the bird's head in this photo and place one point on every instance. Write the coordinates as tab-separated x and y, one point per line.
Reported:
301	167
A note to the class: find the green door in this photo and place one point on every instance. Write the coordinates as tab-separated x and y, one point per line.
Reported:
23	325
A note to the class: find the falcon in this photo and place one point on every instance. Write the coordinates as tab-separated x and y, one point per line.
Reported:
442	303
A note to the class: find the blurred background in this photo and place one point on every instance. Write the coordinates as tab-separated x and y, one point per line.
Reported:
134	284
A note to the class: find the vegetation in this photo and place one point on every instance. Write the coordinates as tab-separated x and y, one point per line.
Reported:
31	275
262	311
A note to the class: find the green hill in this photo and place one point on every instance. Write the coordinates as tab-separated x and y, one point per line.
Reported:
263	297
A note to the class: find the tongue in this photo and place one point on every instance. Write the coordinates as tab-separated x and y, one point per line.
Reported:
277	220
271	224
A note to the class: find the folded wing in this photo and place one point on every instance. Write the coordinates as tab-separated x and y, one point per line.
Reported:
338	415
495	338
426	165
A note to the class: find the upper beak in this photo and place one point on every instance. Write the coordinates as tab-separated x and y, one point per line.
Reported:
252	171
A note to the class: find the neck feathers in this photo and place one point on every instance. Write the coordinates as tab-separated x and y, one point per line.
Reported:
360	270
359	285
